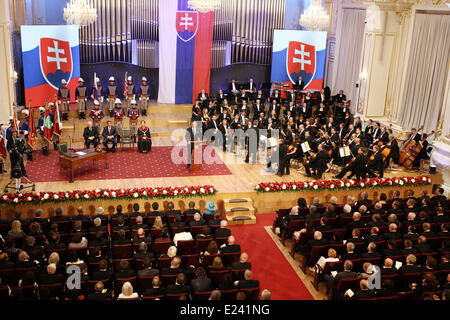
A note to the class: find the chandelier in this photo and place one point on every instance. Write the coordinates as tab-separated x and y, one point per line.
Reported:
204	5
315	18
78	12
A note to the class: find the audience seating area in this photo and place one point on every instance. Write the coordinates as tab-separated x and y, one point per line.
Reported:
159	258
407	238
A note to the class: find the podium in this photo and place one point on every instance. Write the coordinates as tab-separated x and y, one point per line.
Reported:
197	155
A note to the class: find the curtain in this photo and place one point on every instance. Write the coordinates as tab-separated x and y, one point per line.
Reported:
426	72
350	48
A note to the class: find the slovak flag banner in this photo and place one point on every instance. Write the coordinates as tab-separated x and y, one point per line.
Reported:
185	43
299	53
50	54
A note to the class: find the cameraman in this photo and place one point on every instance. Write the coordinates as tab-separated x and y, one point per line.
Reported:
16	147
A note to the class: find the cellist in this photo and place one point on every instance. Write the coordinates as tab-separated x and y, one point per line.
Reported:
394	154
422	153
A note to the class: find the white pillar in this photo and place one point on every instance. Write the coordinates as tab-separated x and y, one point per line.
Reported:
440	156
7	85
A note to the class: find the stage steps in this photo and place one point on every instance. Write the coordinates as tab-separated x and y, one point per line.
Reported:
239	211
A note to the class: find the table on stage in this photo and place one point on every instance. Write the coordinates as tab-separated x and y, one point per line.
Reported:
72	162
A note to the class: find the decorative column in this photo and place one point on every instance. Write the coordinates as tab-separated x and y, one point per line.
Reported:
440	156
7	74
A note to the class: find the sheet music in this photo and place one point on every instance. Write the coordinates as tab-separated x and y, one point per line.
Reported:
305	147
344	152
80	153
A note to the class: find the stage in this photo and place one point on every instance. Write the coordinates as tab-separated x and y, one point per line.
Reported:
233	178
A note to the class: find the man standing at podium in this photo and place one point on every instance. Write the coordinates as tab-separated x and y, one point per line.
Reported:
192	135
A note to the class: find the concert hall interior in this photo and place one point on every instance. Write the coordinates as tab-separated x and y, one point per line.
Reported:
225	149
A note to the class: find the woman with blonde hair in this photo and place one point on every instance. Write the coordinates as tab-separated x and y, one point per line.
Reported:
158	223
172	251
53	258
127	292
332	257
16	230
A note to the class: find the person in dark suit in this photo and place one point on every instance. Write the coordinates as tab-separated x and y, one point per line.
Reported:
283	165
198	221
439	195
346	274
340	97
99	293
388	268
202	283
364	292
51	277
109	135
233	89
222	232
90	135
318	164
231	247
248	281
203	97
179	287
300	84
350	255
242	264
376	164
192	134
422	153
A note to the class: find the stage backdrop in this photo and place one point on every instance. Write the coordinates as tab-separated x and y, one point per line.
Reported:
50	54
185	41
299	53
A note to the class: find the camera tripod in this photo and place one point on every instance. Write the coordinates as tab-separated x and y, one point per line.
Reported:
16	184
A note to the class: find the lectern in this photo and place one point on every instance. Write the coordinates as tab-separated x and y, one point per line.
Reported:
197	155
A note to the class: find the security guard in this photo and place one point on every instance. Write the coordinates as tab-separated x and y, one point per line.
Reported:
118	117
64	99
97	115
133	114
80	96
111	95
40	128
131	91
144	96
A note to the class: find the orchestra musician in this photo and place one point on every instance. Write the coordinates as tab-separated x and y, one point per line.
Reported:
376	163
300	84
394	153
422	155
318	164
203	97
357	166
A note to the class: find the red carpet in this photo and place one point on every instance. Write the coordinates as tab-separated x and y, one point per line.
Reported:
269	266
126	164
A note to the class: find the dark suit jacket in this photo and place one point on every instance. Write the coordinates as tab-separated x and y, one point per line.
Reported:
231	248
199	285
222	233
90	132
106	133
242	284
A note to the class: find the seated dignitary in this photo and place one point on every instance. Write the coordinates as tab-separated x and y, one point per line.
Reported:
109	135
144	138
90	135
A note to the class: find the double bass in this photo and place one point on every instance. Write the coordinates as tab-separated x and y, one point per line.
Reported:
406	151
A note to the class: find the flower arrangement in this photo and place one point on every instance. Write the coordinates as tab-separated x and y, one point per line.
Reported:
345	184
12	199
